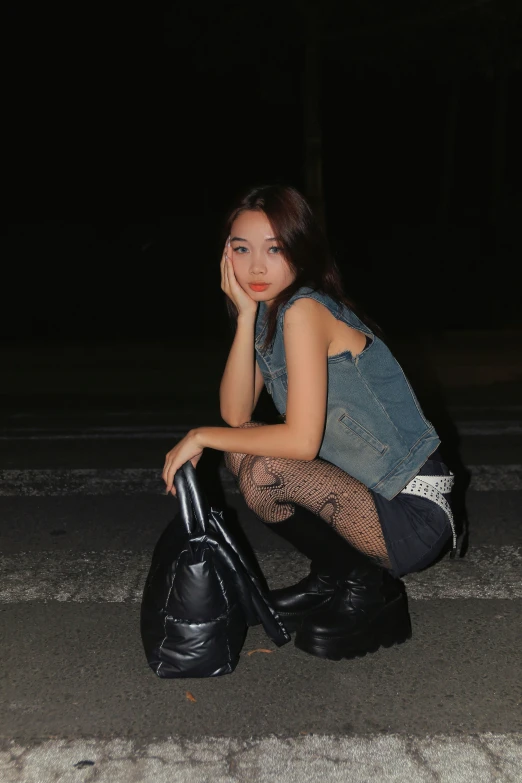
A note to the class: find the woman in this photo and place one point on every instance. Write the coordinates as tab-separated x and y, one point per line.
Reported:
352	475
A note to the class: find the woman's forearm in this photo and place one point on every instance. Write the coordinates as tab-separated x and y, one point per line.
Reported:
236	391
272	440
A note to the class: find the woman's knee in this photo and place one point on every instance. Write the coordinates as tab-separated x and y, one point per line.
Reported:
233	459
254	479
231	464
251	423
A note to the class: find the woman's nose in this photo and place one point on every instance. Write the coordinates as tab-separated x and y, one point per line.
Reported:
257	264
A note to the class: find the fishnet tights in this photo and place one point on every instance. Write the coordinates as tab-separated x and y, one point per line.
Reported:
271	485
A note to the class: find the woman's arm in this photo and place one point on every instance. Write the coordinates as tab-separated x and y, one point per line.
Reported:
306	340
306	347
240	385
237	392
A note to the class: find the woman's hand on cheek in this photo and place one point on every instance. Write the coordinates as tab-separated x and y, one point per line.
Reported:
187	449
229	284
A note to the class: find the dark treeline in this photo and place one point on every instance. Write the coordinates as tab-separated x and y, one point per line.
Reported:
129	136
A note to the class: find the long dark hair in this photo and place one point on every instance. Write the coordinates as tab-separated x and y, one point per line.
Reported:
304	245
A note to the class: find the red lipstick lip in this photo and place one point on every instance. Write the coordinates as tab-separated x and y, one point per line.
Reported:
259	285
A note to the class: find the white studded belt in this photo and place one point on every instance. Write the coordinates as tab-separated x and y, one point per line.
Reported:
434	488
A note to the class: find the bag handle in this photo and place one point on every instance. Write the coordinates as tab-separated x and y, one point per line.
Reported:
193	504
198	520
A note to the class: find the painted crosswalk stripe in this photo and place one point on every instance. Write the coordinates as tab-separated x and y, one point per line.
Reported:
478	758
132	481
118	576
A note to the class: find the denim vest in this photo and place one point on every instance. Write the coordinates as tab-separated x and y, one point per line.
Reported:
375	429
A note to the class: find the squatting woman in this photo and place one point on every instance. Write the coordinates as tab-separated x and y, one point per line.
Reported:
351	475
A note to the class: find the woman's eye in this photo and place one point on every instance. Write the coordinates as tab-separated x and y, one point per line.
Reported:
240	249
275	249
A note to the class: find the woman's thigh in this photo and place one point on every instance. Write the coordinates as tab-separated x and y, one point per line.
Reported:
273	486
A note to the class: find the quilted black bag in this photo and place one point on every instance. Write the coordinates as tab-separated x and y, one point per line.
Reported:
203	590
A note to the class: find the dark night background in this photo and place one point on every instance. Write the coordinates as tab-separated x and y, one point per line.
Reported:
129	130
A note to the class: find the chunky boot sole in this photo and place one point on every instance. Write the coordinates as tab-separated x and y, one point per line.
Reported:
390	626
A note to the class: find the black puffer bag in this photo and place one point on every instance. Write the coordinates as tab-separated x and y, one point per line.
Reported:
203	590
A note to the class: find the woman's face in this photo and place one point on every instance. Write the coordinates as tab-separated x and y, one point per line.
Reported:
257	257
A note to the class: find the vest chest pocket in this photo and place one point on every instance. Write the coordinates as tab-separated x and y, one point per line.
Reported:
361	432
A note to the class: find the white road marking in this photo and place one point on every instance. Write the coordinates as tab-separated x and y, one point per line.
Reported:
478	758
495	478
132	481
118	576
489	427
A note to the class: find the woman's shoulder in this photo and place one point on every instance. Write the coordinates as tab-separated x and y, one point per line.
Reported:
307	308
308	293
324	302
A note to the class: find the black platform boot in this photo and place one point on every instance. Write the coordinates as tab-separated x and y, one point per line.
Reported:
369	610
330	556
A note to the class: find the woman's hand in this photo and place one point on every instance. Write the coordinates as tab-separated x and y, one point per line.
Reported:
244	303
187	449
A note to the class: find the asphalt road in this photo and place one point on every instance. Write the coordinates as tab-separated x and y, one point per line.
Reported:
82	506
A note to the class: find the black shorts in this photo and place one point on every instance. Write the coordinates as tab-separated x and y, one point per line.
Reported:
415	529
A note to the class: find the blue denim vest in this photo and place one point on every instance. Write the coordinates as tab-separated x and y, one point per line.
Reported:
375	429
